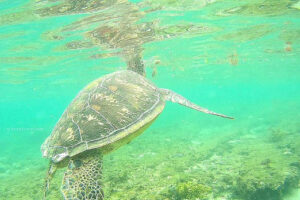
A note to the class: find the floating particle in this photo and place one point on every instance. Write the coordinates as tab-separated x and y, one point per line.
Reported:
233	59
288	47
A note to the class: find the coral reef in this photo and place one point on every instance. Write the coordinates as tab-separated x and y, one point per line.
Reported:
238	165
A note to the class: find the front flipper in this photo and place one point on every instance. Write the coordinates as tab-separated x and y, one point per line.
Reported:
176	98
82	180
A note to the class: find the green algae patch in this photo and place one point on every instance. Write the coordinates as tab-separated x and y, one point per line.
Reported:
190	190
277	135
266	175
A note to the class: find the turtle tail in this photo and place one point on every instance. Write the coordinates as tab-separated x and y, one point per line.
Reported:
82	179
169	95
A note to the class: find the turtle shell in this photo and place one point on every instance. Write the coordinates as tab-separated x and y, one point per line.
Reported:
107	110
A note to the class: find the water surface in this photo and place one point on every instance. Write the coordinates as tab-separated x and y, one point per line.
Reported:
240	58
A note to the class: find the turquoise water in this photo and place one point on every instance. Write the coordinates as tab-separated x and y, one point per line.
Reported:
239	58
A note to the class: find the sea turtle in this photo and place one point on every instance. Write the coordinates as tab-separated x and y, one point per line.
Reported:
106	114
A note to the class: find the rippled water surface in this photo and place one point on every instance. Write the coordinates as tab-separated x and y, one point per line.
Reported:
240	58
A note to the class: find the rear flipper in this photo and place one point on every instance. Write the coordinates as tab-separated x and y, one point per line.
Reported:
176	98
50	174
82	180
